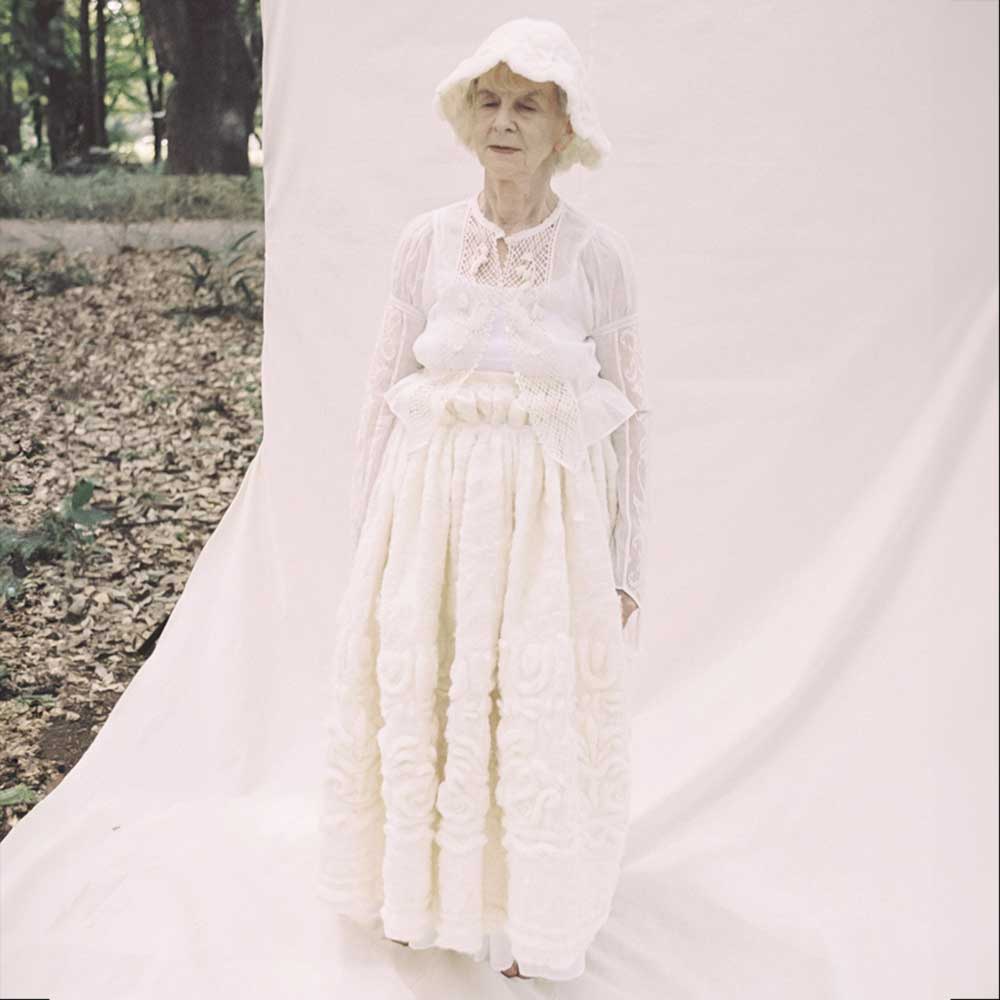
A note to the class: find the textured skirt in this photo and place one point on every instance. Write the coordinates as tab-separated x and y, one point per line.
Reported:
476	792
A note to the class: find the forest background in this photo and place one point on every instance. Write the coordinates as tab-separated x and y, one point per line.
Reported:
131	280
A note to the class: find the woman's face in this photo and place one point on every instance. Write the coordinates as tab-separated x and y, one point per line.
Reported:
523	115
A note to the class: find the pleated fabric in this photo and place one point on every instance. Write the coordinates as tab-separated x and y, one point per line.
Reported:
477	783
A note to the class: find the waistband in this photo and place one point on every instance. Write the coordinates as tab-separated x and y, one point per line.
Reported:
490	375
484	397
565	424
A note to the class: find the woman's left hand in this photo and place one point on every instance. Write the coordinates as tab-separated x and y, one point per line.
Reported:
628	606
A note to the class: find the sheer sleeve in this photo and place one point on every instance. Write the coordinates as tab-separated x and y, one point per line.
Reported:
392	358
618	348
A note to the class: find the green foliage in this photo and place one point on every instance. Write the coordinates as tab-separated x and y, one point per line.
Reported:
36	273
17	795
121	180
60	534
223	282
117	194
24	54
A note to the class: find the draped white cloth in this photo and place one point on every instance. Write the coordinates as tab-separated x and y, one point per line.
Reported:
810	196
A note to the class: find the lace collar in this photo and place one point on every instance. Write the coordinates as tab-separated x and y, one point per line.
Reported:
549	220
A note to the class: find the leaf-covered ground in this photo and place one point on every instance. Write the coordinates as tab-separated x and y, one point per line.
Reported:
109	381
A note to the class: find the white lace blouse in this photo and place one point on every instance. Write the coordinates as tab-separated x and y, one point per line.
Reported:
559	311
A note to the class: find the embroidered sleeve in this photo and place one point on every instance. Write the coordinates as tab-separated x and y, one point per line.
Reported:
616	336
392	358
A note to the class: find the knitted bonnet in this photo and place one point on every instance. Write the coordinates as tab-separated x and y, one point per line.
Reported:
542	51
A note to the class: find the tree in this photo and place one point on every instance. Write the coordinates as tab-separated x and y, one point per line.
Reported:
211	104
152	78
101	79
92	77
85	84
11	34
51	16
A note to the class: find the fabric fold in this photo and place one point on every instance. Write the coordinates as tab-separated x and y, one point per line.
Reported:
421	399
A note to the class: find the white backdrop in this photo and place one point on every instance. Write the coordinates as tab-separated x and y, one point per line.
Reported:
809	189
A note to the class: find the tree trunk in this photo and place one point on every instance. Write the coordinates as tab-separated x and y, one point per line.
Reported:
101	76
10	113
50	16
160	118
211	104
85	82
152	78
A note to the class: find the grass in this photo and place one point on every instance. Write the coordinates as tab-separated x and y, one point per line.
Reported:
116	194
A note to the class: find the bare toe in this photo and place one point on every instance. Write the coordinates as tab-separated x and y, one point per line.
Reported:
515	973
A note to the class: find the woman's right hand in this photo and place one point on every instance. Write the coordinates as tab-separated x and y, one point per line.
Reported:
628	606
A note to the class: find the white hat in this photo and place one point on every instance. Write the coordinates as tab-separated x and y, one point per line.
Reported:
539	50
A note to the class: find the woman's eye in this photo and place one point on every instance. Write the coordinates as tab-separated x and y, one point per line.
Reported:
523	107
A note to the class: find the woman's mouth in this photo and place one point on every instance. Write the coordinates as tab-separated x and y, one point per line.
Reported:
504	149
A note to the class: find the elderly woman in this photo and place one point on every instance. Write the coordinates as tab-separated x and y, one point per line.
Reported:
477	792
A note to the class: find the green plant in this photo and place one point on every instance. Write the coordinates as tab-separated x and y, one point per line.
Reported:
36	274
125	193
60	534
17	795
227	277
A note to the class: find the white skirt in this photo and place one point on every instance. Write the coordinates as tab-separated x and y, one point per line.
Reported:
478	777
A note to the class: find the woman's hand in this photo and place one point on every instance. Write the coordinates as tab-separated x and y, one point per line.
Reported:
628	606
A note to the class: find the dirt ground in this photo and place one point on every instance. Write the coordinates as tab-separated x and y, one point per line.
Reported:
113	370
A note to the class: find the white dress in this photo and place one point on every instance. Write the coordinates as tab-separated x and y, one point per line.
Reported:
477	791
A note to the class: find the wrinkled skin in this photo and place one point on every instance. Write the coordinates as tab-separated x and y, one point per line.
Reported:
516	187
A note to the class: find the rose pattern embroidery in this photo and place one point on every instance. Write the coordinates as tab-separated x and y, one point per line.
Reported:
558	736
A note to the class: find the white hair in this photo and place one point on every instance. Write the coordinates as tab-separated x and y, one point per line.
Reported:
505	76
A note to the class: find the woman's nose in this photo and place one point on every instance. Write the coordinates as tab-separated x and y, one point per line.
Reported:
502	119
